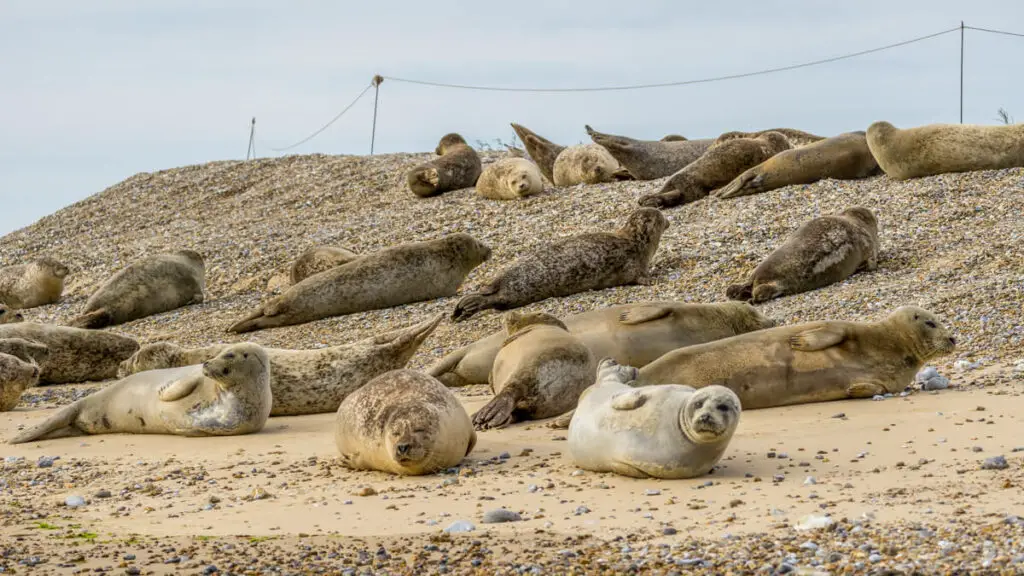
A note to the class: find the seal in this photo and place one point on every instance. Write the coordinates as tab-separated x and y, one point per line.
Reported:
403	422
823	251
811	362
319	259
589	261
633	334
944	148
843	157
153	285
795	137
10	316
411	272
38	283
509	179
539	372
15	376
674	138
458	167
305	381
717	167
670	431
650	159
569	166
76	355
226	396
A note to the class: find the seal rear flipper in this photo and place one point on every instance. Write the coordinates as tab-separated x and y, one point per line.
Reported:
255	321
498	413
817	339
629	400
743	185
93	320
412	336
60	425
640	314
740	291
562	422
608	141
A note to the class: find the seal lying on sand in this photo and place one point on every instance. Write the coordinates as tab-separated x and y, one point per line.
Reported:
37	283
843	157
650	159
75	354
319	259
411	272
633	334
539	372
668	431
305	381
509	179
150	286
458	167
568	166
810	362
943	148
226	396
403	422
823	251
589	261
717	167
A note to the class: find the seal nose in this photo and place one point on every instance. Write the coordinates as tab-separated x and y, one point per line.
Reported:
403	449
35	371
952	341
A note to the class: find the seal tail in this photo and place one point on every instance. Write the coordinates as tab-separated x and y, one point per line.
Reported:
408	340
93	320
252	322
469	305
740	291
743	185
59	425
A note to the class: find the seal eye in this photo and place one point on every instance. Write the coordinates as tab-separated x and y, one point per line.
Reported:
698	405
245	355
226	371
229	356
723	408
930	324
2	312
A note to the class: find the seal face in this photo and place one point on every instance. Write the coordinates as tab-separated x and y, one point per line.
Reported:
718	166
228	395
458	167
843	157
667	431
633	334
822	252
153	285
38	283
509	179
411	272
811	362
305	381
649	159
19	369
10	316
944	148
589	261
539	372
569	166
319	259
403	422
75	355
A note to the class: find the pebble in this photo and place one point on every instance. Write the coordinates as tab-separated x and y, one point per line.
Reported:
810	480
46	461
74	501
460	526
581	510
652	492
995	463
500	515
813	522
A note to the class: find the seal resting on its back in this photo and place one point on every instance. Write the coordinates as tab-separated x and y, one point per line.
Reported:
632	334
405	423
669	431
411	272
823	251
944	148
810	362
458	167
589	261
650	159
226	396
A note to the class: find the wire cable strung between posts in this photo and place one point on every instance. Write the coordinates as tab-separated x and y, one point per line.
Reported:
679	83
991	31
328	125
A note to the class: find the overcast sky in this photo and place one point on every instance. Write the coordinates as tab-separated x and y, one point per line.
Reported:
94	92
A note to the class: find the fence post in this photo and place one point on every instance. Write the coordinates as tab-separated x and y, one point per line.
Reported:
961	71
252	141
377	79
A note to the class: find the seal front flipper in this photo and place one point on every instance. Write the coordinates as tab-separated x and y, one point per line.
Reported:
817	339
93	320
498	412
562	422
640	314
178	389
742	292
865	390
629	400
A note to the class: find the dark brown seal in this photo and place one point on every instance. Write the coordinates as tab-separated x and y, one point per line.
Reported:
823	251
650	159
458	167
589	261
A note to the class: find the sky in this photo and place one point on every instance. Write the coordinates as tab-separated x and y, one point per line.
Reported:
95	92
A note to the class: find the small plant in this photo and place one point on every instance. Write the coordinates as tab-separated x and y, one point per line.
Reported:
46	526
1004	116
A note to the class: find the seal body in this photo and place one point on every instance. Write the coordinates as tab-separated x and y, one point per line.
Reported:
305	381
402	274
632	334
943	148
9	315
649	159
715	168
823	251
669	431
403	422
793	136
458	167
568	166
153	285
37	283
539	372
811	362
319	259
589	261
75	354
509	179
19	369
843	157
226	396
